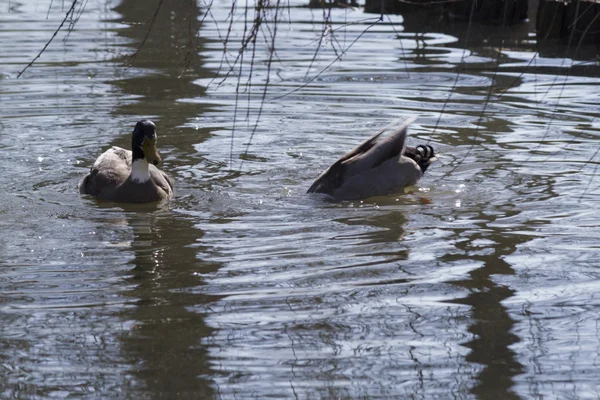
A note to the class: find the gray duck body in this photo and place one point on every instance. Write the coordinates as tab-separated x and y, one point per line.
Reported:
110	179
376	167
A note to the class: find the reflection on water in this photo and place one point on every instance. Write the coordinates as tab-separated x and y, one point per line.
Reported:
478	283
492	324
162	340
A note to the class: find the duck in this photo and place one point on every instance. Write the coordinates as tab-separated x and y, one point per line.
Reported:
125	176
377	167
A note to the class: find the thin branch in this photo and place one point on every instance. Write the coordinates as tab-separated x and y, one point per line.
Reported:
489	95
587	28
266	86
246	40
235	112
574	25
591	177
261	16
401	45
552	116
208	8
226	42
69	12
331	63
316	53
152	20
189	47
74	21
462	60
49	8
511	85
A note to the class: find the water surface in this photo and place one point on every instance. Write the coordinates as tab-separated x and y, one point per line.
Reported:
480	282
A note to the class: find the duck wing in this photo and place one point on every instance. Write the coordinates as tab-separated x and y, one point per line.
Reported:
367	156
162	180
109	171
389	177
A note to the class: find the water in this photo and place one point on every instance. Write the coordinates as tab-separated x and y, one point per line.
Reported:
481	282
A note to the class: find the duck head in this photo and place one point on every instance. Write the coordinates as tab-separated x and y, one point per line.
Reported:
143	142
423	155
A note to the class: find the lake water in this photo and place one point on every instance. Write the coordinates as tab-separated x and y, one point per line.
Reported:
480	282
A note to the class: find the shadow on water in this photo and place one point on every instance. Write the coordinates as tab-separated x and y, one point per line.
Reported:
165	339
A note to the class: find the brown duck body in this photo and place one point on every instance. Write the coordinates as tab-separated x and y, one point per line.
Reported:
110	178
376	167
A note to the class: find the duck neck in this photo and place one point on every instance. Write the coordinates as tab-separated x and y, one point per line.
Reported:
140	171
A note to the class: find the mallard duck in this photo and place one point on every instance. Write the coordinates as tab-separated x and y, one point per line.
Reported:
376	167
130	176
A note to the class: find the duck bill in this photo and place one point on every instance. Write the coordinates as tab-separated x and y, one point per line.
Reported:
151	152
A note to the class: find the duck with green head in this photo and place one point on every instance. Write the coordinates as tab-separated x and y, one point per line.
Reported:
125	176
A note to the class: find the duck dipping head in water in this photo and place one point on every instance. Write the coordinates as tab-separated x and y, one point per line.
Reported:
377	167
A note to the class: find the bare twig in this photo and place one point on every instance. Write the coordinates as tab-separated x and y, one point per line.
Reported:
592	176
587	28
401	45
152	20
190	42
266	85
73	21
574	24
511	85
49	8
462	60
489	94
260	17
326	26
226	41
305	84
69	12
